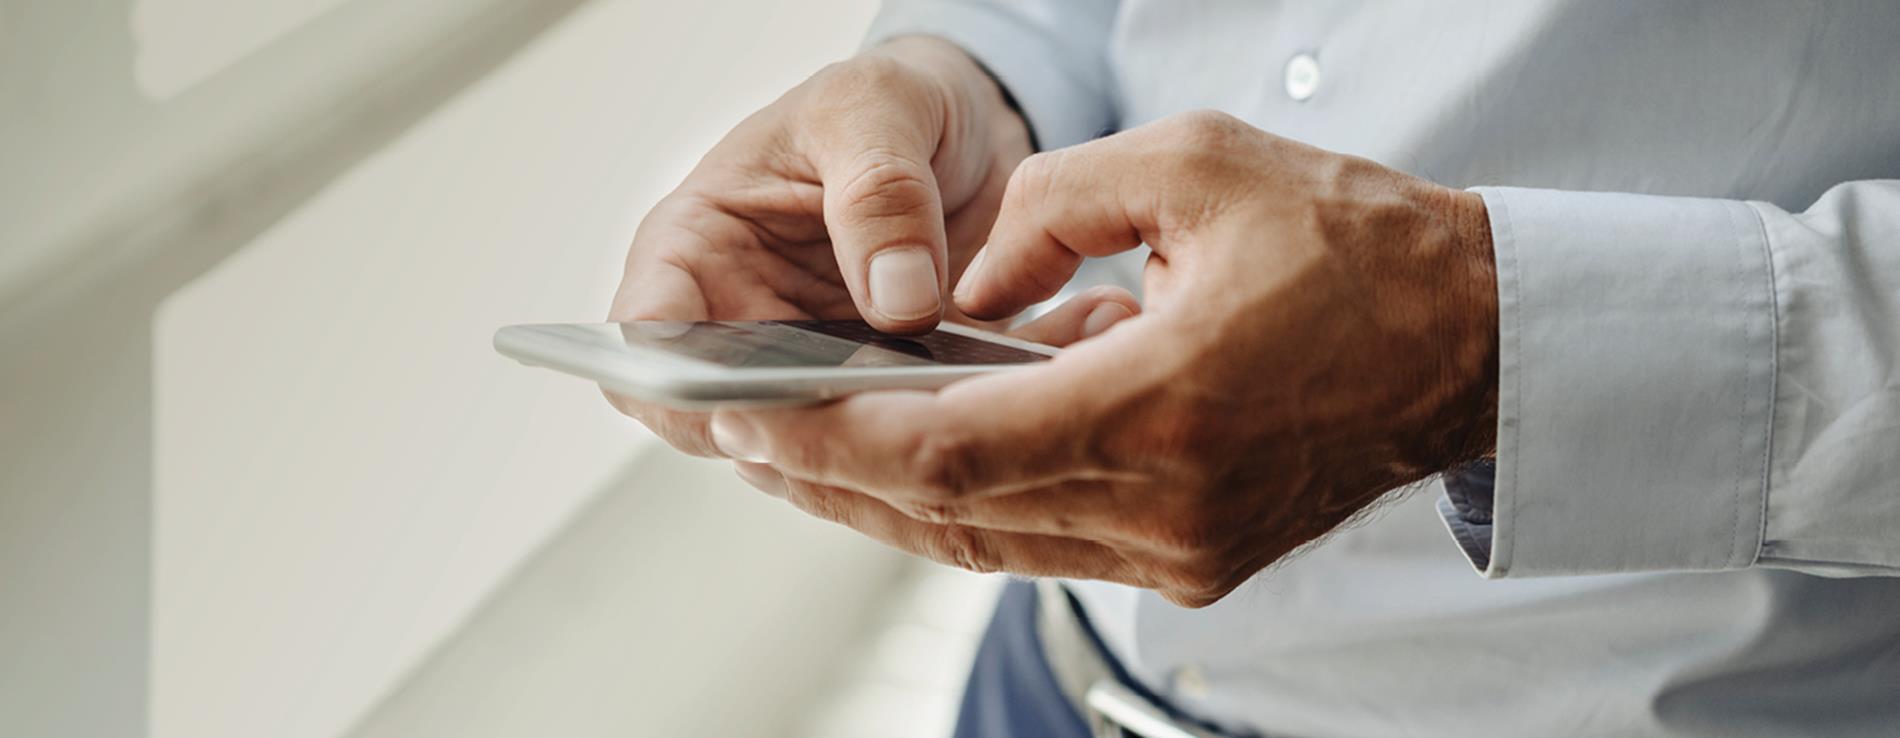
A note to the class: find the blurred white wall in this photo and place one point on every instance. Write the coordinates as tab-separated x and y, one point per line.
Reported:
678	604
110	200
257	459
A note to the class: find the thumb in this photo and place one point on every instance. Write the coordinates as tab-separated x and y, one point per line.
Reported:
871	148
885	219
1059	207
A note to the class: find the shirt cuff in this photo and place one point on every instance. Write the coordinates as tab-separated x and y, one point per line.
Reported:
1057	77
1636	379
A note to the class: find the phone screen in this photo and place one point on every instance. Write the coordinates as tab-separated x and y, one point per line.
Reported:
816	343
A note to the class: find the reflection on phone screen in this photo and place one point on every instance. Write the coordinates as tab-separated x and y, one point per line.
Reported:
816	343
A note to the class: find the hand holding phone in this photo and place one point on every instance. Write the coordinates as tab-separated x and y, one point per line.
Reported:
861	193
699	365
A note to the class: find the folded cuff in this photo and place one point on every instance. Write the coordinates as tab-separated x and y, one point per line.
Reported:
1637	367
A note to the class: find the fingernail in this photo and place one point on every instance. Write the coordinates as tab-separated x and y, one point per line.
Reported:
1104	317
904	284
969	274
762	478
735	439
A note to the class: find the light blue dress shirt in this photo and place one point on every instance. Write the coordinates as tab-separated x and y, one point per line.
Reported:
1695	521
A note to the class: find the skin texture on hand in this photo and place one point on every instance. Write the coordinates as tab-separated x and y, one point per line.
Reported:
1319	330
860	193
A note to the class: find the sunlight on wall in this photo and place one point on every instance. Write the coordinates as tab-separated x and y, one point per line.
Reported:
184	42
345	467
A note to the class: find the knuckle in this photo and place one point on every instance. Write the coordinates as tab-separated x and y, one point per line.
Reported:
1033	177
813	502
962	547
887	185
1208	141
939	513
1206	127
1033	169
859	76
840	101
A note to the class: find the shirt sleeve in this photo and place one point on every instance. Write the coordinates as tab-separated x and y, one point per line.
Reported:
1051	55
1691	384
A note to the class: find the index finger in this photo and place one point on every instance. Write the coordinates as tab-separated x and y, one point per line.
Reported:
1059	207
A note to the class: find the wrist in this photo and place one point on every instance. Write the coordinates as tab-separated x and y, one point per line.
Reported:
1474	296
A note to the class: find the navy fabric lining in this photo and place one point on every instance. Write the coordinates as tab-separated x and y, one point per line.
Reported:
1470	493
1012	693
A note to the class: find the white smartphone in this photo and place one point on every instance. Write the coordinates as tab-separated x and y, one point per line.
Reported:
698	365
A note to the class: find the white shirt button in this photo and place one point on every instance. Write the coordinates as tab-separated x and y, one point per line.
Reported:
1302	76
1190	682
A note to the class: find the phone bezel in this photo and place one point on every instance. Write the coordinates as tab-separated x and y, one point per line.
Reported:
684	381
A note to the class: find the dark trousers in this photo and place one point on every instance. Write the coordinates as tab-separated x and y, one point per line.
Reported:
1011	692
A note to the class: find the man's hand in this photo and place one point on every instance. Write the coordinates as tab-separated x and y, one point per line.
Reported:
1319	330
859	193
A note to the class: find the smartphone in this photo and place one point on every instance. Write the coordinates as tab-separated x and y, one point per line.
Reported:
705	364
